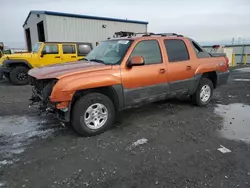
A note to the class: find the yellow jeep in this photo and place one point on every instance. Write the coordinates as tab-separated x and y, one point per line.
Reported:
15	67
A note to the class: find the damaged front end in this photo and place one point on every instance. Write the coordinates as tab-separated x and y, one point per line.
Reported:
40	99
40	94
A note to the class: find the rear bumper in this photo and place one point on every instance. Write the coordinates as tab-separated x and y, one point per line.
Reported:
222	78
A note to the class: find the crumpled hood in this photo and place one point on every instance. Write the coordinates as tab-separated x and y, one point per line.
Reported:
59	70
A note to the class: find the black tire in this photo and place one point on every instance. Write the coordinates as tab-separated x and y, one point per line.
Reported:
80	107
196	99
19	75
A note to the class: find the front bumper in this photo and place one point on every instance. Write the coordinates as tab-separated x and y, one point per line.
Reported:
3	70
222	78
41	99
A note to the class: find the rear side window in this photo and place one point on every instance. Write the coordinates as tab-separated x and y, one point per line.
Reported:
200	53
176	50
149	50
69	49
197	48
84	49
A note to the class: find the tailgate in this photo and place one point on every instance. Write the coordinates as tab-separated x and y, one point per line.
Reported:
218	54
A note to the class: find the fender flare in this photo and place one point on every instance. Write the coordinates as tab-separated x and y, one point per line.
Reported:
117	91
9	62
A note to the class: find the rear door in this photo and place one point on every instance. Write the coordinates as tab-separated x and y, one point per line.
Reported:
147	82
68	52
181	68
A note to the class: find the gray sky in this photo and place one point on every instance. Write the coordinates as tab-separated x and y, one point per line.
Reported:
203	20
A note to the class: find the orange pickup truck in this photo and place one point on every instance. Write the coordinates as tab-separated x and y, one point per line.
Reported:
124	72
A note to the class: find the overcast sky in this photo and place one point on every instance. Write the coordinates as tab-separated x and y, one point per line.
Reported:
203	20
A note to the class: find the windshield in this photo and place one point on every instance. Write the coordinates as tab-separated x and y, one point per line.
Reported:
36	47
109	52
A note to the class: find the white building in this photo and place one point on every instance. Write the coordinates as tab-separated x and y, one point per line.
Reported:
47	26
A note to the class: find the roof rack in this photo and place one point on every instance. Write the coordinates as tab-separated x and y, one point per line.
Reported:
163	34
144	34
169	34
123	34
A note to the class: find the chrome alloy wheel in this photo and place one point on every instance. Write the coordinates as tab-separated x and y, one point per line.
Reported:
96	116
205	93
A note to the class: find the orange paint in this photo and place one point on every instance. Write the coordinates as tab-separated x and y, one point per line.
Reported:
82	75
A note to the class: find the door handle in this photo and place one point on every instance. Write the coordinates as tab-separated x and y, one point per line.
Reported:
189	67
162	71
57	56
73	56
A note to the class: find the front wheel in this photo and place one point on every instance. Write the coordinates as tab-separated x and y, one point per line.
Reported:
93	114
19	75
204	93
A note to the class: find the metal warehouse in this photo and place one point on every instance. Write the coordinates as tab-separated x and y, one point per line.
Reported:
47	26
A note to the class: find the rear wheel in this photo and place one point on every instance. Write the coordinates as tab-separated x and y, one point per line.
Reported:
204	93
19	75
93	114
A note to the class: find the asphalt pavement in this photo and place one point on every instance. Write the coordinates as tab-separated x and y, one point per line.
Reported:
165	144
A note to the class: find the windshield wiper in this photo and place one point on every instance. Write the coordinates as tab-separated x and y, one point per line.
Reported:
97	60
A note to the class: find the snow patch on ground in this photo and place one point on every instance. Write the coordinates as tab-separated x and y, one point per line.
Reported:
5	162
140	142
17	133
2	184
223	149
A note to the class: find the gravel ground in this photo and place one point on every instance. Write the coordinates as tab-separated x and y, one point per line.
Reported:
165	144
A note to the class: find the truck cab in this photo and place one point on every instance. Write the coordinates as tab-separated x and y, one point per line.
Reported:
15	67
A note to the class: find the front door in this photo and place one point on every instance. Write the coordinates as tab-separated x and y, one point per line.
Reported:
147	82
50	55
68	53
181	70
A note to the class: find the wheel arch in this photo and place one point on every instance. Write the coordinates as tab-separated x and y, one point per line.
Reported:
109	91
114	92
17	62
212	76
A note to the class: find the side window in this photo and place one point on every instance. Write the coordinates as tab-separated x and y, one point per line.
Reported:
200	53
149	50
176	50
51	49
84	49
68	49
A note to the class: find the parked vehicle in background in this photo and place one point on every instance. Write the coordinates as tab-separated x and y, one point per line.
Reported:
125	72
15	67
1	49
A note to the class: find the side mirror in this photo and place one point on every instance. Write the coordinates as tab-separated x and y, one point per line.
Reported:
136	61
43	53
